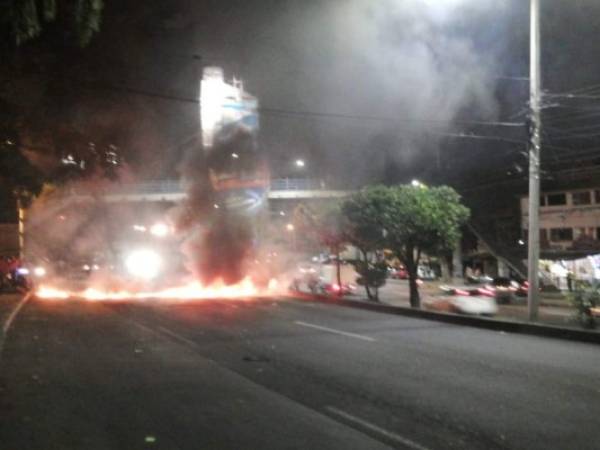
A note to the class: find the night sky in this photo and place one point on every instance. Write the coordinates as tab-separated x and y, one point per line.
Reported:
365	91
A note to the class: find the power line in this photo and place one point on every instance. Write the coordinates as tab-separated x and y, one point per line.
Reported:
576	136
574	129
574	96
583	115
286	112
585	89
297	113
479	137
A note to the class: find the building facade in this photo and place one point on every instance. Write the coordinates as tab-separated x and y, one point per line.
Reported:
569	219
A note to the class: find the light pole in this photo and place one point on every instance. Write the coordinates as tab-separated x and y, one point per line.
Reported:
533	249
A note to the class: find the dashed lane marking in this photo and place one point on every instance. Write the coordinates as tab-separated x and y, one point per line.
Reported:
376	429
178	337
334	331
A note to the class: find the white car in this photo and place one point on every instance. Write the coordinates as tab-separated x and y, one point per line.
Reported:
464	304
476	305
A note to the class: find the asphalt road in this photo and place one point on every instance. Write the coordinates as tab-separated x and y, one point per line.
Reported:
285	375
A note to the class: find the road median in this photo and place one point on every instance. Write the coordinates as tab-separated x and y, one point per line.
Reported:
508	326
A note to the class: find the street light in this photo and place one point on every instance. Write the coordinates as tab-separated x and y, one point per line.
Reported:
300	163
159	229
290	227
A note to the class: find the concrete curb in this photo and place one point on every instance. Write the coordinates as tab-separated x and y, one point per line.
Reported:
457	319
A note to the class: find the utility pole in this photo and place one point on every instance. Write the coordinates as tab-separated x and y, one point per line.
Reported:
533	250
21	228
199	66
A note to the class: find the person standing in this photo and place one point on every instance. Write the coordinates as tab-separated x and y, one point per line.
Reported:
570	281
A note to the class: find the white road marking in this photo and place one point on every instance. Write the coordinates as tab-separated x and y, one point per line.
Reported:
388	434
178	337
10	319
332	330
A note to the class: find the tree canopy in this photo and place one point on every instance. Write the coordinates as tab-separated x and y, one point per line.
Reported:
17	174
24	20
422	219
363	214
410	220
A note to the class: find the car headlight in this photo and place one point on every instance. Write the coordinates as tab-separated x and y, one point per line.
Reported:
145	264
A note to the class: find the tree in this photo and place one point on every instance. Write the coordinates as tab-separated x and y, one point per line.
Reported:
24	20
363	213
17	174
70	22
420	219
330	232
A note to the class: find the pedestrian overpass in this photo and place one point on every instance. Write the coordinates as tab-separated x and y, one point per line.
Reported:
281	190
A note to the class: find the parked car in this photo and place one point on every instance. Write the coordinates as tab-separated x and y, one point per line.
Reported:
399	274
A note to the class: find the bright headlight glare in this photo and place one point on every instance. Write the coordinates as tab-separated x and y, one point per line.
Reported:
39	272
145	264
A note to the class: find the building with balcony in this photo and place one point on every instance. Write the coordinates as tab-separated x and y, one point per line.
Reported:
569	233
569	220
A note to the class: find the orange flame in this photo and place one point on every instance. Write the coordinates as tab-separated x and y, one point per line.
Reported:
192	291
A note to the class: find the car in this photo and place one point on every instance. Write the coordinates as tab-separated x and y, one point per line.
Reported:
306	276
505	289
463	304
399	274
327	288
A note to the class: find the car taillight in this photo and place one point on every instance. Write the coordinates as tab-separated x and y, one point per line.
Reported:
461	292
486	292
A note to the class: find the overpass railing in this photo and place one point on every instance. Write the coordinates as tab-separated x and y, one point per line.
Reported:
174	186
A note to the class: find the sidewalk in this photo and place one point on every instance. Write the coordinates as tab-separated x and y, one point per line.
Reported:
553	310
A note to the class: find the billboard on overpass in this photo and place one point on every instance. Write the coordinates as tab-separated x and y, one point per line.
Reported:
230	124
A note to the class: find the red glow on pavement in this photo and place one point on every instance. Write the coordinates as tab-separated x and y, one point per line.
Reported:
192	291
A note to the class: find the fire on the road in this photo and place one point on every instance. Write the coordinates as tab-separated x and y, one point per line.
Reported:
192	291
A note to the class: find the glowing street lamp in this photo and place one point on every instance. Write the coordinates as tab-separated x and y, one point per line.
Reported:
159	229
290	227
300	163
